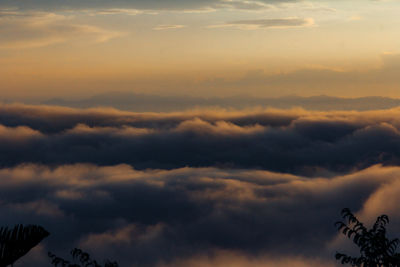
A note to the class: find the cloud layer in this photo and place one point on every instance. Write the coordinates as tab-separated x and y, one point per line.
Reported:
203	216
294	141
198	188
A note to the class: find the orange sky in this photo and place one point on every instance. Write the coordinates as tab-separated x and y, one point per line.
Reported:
220	47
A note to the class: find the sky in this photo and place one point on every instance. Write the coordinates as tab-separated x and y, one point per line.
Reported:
75	49
196	133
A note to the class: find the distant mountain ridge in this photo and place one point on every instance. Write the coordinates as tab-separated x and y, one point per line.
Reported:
155	103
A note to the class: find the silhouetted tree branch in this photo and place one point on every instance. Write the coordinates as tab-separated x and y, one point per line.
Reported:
81	256
376	250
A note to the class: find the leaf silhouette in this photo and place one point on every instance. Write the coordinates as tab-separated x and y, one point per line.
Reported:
81	256
18	241
376	250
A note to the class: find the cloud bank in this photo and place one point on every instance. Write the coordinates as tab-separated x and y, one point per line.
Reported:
198	188
291	141
194	217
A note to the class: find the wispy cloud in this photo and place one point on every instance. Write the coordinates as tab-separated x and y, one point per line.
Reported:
145	4
20	30
243	5
266	23
168	27
316	7
197	11
121	11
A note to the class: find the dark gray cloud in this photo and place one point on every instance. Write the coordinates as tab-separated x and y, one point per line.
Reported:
155	217
52	119
299	142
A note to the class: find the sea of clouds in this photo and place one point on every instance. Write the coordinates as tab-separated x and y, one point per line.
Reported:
198	188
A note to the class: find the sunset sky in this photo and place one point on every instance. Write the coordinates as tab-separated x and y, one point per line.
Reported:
203	48
197	133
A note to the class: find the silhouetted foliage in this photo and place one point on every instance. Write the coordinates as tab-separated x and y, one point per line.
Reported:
376	250
83	258
18	241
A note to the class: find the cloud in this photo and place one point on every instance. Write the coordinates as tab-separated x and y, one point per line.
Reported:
243	5
197	11
291	141
315	81
267	23
37	29
236	259
193	215
197	188
117	11
156	103
18	134
140	4
168	27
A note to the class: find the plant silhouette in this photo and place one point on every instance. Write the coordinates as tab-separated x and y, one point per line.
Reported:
18	241
376	250
82	257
